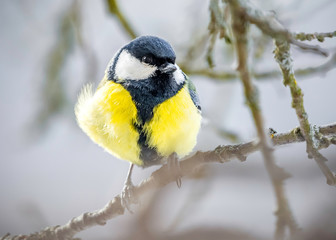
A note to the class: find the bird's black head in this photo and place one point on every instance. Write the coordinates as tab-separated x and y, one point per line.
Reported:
151	50
144	57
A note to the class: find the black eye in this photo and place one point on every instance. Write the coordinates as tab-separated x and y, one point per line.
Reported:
147	59
171	60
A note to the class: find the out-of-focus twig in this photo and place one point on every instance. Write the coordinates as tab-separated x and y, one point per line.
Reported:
310	48
162	177
194	49
89	54
276	174
53	94
313	141
227	134
321	69
230	75
216	26
53	97
217	20
114	9
270	26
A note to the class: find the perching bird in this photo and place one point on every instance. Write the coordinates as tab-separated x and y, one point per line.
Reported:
145	109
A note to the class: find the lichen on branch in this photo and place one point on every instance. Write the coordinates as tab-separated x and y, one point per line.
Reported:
283	57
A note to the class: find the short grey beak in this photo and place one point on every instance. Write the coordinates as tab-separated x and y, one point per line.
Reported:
168	68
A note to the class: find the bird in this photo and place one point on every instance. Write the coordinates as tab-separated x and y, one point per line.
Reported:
145	110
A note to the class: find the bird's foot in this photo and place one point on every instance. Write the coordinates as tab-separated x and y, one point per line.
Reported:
127	196
174	166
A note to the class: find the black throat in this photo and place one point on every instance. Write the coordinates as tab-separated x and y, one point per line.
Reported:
148	93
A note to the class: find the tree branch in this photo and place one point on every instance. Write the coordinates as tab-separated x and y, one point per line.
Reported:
231	76
270	26
276	174
114	9
315	137
162	177
216	26
313	140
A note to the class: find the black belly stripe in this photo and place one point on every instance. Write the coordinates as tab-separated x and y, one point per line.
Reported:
147	94
148	154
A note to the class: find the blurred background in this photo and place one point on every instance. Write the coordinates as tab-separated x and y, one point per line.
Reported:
50	171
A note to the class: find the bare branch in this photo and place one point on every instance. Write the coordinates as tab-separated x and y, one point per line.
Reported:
230	75
162	177
277	174
270	26
206	72
321	69
326	134
328	129
216	26
114	9
310	48
217	21
282	56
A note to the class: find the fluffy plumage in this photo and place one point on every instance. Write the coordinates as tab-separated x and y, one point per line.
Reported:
145	108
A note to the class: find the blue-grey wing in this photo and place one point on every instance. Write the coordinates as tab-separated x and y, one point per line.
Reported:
193	93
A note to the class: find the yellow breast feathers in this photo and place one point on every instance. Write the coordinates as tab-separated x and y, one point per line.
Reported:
108	117
175	125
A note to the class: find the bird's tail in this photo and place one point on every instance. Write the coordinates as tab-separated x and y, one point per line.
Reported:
83	105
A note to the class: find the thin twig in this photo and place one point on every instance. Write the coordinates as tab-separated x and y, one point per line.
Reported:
217	26
310	48
114	9
325	134
217	21
231	75
283	57
321	69
270	26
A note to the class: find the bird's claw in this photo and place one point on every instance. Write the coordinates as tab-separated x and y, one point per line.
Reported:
127	196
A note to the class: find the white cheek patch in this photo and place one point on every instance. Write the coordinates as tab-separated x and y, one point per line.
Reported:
129	67
178	75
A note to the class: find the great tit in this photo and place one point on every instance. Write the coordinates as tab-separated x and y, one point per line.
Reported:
145	109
